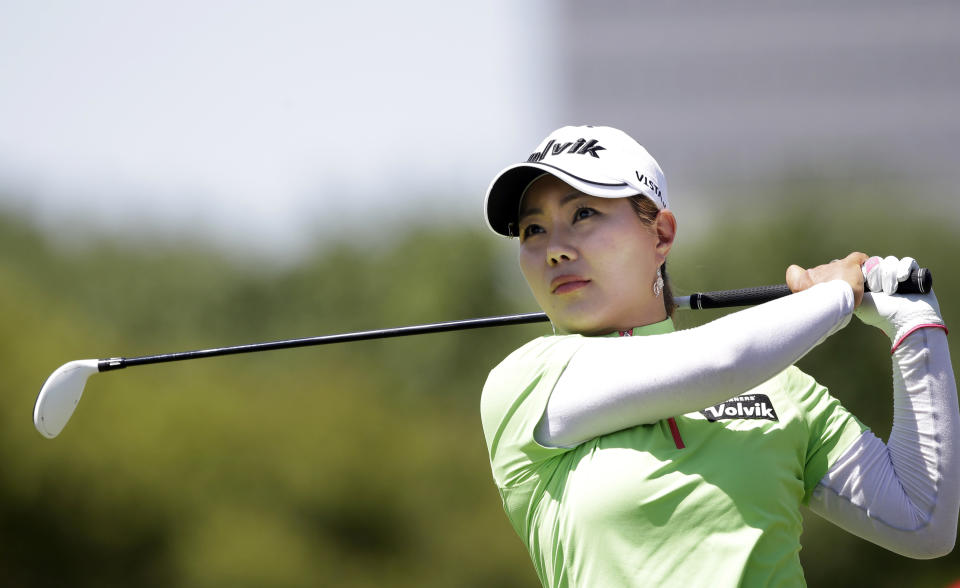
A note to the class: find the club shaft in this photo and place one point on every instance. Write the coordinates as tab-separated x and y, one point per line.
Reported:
116	363
920	282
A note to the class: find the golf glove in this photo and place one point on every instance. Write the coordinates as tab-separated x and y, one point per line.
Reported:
883	275
897	315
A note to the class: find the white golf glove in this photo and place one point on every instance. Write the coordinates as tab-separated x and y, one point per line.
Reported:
897	315
883	275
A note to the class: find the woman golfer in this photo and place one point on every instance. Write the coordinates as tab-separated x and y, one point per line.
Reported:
627	454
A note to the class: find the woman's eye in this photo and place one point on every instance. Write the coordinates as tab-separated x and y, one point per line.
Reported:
531	229
583	212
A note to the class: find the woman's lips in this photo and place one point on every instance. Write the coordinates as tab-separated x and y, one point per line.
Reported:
566	284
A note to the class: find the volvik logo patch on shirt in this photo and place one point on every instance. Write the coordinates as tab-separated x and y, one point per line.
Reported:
751	406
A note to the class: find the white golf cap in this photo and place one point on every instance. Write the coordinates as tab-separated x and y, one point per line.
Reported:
599	161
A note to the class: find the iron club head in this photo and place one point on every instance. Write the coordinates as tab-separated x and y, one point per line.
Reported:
60	394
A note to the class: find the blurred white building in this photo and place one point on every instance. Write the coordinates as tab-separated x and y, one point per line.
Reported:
745	89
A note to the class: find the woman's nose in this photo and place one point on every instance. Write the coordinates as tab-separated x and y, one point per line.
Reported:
559	251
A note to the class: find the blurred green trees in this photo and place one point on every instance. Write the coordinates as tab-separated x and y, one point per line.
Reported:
360	464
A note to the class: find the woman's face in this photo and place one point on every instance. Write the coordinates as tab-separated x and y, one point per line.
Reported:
590	262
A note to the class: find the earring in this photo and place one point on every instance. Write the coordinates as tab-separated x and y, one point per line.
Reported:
658	284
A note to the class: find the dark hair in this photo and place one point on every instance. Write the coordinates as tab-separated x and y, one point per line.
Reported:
648	211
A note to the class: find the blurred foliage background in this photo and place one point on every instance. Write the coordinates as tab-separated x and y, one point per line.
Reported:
359	464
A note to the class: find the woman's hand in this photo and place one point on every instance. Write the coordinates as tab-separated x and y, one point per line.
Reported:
846	269
897	315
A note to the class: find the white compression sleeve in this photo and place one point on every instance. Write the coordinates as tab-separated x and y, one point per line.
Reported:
904	496
611	384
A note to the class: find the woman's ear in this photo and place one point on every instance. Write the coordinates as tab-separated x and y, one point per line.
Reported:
666	226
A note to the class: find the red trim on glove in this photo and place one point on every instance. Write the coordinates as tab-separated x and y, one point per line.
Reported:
916	328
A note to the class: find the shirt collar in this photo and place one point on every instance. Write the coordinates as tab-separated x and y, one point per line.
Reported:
664	326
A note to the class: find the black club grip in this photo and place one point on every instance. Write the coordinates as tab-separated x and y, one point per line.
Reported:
919	282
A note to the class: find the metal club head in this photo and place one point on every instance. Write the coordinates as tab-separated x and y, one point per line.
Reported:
60	394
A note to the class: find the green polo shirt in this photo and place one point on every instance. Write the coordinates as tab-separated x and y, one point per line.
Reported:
633	508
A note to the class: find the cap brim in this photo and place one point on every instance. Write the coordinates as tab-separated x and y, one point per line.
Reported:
502	203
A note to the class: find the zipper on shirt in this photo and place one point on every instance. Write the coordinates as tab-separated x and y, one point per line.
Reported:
674	429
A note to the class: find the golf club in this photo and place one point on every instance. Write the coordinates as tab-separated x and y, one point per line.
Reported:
61	392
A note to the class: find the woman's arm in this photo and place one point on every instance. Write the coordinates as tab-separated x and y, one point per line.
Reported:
905	495
611	384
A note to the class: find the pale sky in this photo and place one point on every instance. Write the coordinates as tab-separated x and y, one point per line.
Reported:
264	125
264	122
